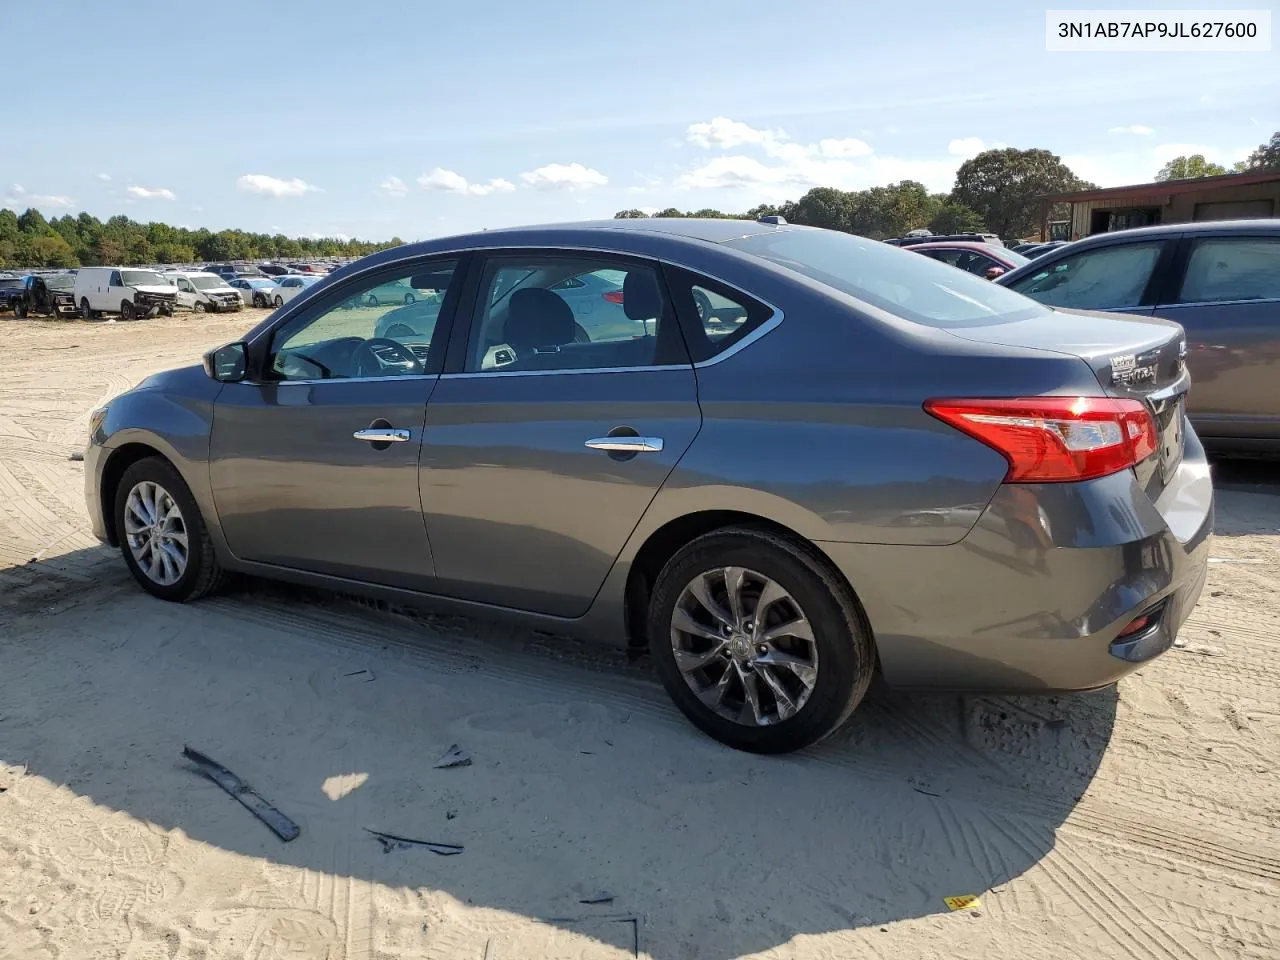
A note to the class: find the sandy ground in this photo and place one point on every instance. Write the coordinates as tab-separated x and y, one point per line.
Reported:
1134	823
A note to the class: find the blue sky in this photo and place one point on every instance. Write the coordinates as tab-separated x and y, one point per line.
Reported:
424	118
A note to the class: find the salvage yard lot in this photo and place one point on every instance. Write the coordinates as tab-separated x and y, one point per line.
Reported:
1141	821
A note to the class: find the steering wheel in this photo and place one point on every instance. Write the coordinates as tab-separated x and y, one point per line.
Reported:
370	364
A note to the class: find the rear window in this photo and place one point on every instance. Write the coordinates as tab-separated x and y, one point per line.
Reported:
897	281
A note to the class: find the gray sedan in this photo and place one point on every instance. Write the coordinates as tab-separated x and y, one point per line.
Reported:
1219	280
858	461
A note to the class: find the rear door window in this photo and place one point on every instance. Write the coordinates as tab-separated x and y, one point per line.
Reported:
1224	269
1112	277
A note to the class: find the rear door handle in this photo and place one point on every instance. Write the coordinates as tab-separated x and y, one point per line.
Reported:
382	435
627	444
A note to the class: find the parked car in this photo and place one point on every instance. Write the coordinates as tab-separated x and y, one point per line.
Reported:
200	291
289	286
924	236
890	466
52	294
1041	249
13	294
981	259
132	293
1219	280
254	291
273	269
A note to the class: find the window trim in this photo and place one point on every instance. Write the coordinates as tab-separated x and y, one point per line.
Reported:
460	343
1172	292
1167	248
334	295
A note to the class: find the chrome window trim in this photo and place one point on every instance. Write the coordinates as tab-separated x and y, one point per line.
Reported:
570	370
299	300
286	383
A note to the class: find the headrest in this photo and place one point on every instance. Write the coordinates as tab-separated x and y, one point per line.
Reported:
538	319
641	298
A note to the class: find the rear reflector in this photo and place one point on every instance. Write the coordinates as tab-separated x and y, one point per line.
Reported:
613	296
1056	439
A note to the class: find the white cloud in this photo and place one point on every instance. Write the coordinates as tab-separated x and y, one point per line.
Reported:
151	193
564	176
274	186
447	181
1137	129
966	147
1225	156
105	177
18	197
1141	166
847	148
723	133
393	187
316	235
781	181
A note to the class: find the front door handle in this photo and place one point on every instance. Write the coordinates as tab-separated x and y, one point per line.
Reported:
627	444
382	435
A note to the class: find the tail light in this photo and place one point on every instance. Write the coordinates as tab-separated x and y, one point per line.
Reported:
613	296
1056	439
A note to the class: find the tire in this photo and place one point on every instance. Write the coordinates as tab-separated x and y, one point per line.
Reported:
257	300
20	310
126	311
580	334
202	573
198	307
85	312
702	303
279	300
841	649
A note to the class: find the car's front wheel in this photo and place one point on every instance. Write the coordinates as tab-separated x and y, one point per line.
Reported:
758	641
162	535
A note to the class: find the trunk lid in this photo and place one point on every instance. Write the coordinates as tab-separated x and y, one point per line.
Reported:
1135	357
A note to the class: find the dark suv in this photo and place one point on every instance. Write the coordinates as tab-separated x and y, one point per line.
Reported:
1220	280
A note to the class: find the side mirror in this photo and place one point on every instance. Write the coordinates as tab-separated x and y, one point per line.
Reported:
227	364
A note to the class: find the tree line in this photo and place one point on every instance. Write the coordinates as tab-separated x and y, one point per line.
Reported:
997	191
29	240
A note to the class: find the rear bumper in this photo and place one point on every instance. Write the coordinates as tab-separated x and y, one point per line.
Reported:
1034	598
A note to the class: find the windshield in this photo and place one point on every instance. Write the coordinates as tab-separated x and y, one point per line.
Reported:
60	282
916	288
260	284
7	283
143	278
208	283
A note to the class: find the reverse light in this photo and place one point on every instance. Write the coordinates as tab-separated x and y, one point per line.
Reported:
1056	439
613	296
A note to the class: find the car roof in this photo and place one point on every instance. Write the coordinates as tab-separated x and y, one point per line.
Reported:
957	245
1198	228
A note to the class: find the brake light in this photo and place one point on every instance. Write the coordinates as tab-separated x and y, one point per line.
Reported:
613	296
1056	439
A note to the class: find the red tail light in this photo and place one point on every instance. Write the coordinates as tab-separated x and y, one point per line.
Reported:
1056	439
613	296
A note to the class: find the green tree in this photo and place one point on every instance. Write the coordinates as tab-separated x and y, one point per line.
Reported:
955	217
824	207
1190	168
669	212
1006	187
9	229
632	214
51	250
33	223
1267	156
173	253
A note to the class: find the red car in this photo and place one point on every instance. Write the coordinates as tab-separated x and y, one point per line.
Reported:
984	259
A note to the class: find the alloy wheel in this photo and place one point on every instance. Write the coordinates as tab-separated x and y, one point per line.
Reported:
744	646
156	533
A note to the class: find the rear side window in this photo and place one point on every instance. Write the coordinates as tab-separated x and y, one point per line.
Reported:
1107	278
898	281
1232	268
717	316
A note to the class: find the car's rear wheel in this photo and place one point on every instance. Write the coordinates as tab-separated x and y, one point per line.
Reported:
758	641
162	535
702	303
126	310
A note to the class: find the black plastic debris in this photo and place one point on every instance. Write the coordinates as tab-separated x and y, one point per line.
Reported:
455	756
391	841
601	897
250	799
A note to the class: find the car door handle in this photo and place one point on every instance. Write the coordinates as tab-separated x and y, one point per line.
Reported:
382	435
627	444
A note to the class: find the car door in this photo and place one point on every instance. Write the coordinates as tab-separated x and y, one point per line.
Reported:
1120	276
110	295
314	461
1226	295
542	451
186	293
